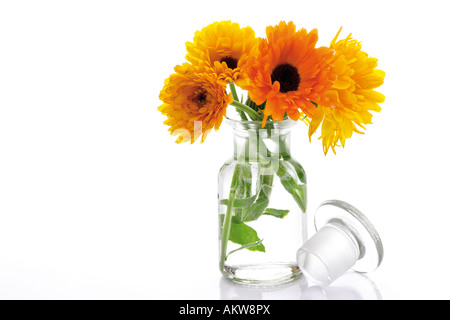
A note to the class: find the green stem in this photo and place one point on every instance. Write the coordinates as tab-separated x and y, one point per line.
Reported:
227	221
236	98
233	91
251	113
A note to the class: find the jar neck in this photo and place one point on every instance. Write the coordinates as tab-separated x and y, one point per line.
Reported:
256	145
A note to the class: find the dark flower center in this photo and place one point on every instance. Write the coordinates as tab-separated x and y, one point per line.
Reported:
288	77
201	97
230	61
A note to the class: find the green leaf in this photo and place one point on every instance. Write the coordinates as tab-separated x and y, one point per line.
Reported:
243	191
288	179
301	174
242	234
276	213
257	209
247	246
262	201
240	203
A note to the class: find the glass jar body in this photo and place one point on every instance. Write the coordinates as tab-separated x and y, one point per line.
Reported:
262	206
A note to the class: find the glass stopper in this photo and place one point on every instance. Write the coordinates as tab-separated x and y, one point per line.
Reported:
345	239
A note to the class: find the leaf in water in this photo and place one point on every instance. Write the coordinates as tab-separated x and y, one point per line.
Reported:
262	201
240	203
257	209
244	235
247	246
299	170
245	192
288	180
276	213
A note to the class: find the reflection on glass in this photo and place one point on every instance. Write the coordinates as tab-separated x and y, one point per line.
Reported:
351	286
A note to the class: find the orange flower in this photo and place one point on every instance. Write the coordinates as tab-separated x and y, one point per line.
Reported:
288	72
352	96
224	46
195	102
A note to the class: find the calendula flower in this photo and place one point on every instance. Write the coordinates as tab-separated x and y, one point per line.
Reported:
288	72
195	102
223	46
352	96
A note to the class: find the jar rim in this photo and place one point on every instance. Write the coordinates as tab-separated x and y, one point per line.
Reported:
255	125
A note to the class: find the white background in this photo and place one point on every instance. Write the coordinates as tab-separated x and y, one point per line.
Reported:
98	202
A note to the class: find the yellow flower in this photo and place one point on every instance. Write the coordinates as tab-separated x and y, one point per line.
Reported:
195	102
351	97
223	46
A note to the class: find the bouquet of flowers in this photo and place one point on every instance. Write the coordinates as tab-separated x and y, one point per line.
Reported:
286	77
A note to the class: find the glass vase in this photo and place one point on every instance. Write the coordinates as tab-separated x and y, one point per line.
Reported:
262	206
